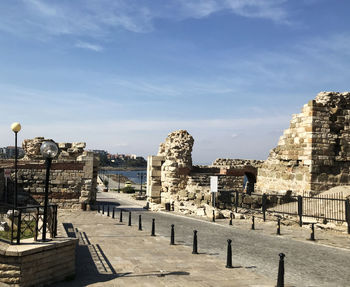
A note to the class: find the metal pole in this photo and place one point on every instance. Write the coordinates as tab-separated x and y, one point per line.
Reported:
103	209
129	224
121	215
347	213
253	222
140	222
172	237
19	223
231	215
195	247
107	209
153	228
113	212
16	157
312	236
48	166
300	210
280	278
141	176
213	215
118	182
278	226
229	254
264	206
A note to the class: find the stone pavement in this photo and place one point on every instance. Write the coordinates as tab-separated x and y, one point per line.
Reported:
114	254
289	230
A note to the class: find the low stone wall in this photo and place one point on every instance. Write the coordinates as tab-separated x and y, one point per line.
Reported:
37	264
71	181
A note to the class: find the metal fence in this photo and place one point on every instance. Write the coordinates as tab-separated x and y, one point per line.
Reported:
327	207
26	222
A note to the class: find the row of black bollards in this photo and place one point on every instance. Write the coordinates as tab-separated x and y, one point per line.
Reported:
280	277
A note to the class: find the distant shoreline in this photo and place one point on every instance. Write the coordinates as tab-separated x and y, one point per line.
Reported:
122	168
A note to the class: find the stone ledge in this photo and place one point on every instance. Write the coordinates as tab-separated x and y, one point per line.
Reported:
19	263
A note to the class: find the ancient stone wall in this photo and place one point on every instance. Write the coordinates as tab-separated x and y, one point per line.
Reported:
314	153
171	178
154	184
73	175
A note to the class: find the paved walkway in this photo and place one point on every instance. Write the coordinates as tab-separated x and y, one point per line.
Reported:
113	254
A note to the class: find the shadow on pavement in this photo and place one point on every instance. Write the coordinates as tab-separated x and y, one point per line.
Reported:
92	265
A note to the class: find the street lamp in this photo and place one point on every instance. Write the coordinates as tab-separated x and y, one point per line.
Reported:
48	150
16	127
141	175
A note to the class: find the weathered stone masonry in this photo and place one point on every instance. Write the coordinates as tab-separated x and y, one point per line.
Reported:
313	155
73	175
171	178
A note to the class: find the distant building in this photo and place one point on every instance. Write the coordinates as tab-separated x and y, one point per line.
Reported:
9	152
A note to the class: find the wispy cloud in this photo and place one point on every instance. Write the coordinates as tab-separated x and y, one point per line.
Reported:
89	46
98	18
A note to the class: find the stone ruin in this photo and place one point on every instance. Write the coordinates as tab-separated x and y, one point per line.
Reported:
73	175
171	177
68	151
312	155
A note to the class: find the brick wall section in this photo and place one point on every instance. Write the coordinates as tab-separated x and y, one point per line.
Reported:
37	264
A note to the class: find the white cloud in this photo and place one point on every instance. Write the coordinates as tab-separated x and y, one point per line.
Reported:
89	46
96	19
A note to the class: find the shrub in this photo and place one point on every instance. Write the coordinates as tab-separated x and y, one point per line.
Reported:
128	189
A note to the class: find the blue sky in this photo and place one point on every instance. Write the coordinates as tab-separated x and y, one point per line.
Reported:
122	74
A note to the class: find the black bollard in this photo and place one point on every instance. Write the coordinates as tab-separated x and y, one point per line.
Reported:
280	278
103	209
195	247
153	228
312	236
172	237
121	215
253	222
229	254
231	215
140	223
129	224
213	215
108	210
278	226
113	212
98	208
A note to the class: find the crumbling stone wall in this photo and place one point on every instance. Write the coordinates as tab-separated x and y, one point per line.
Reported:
313	155
171	178
73	175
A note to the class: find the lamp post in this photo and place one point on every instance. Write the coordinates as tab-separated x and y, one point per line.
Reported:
16	127
48	150
141	175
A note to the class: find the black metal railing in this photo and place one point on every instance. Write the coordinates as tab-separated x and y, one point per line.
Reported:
26	222
327	207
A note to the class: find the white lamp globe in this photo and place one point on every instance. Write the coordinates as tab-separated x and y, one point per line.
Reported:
16	127
49	149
